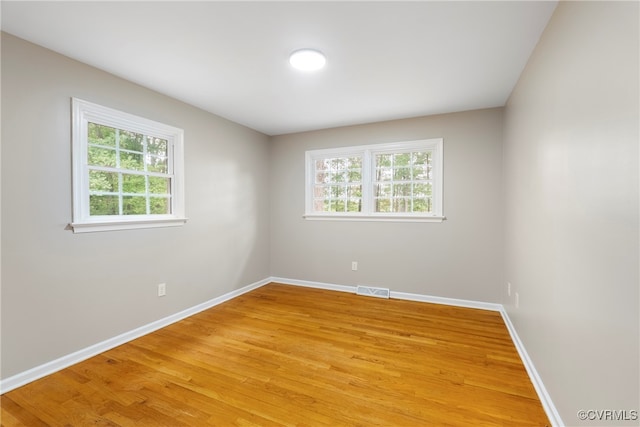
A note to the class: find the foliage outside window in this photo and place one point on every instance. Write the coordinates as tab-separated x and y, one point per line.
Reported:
399	181
127	170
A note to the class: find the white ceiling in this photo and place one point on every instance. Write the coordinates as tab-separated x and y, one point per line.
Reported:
385	60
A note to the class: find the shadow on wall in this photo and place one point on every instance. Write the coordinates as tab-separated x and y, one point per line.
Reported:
232	213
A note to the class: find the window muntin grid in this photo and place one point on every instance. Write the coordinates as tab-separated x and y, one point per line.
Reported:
396	181
129	172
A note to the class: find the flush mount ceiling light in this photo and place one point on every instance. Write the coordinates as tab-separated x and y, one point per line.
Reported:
307	60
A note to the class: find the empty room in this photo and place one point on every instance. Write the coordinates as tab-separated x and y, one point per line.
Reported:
320	213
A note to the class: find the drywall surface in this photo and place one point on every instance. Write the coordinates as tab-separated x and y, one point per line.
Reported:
61	291
571	190
458	258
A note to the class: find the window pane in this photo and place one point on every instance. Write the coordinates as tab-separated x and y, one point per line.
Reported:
340	176
421	158
102	157
159	205
157	164
337	191
134	205
422	204
421	190
128	166
395	179
338	170
159	185
338	164
322	177
354	205
320	191
131	161
402	174
134	184
384	160
401	159
355	162
322	165
402	190
383	190
131	141
354	191
354	175
384	174
422	173
103	205
383	205
101	135
103	181
157	146
401	204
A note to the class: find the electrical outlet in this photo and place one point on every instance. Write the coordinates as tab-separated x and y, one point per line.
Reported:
517	300
354	265
508	289
162	289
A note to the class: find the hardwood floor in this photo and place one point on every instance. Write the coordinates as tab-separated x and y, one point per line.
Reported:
290	356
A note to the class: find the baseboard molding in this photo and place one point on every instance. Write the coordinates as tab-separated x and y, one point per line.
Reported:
543	395
48	368
447	301
53	366
317	285
397	295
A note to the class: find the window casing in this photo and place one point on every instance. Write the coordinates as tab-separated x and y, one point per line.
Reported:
127	171
400	181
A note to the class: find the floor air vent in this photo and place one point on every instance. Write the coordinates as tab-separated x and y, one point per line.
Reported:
373	292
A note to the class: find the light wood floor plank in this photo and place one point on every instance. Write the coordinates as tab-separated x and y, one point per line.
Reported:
289	356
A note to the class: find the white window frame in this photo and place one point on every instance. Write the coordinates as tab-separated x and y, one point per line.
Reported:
368	153
84	112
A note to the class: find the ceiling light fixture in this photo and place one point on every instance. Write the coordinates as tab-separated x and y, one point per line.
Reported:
307	60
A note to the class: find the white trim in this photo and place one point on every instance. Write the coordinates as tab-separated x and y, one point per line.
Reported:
92	226
447	301
367	154
372	217
56	365
84	112
317	285
395	295
48	368
543	395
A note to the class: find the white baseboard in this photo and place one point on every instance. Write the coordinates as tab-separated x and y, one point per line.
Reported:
447	301
543	395
317	285
48	368
394	294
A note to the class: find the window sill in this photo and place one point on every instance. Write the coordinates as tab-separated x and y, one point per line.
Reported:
94	226
381	218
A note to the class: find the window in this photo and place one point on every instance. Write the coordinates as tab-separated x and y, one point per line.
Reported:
127	171
399	181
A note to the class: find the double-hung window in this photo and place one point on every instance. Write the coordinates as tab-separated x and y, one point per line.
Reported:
398	181
127	171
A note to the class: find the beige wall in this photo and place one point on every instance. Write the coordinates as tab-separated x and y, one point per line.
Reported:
571	182
61	291
458	258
